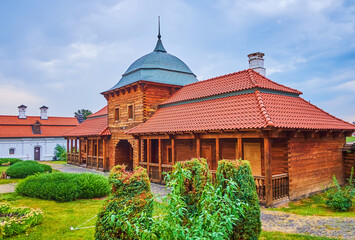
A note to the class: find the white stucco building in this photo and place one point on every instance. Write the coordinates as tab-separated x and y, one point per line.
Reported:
33	137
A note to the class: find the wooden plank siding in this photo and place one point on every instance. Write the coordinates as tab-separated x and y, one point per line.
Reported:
349	162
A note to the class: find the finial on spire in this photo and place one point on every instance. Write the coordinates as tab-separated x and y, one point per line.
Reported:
159	36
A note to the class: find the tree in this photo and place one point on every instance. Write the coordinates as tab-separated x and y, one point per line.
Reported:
84	112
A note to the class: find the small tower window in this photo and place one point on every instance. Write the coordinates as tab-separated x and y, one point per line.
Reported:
130	112
117	114
12	151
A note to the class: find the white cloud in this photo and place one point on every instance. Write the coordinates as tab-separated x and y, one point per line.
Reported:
347	86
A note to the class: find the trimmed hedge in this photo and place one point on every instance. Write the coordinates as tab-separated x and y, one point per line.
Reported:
24	169
14	220
9	160
64	187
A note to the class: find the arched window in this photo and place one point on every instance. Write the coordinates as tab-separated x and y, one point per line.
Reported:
12	151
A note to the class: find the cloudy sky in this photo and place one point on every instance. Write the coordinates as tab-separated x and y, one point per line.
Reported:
64	53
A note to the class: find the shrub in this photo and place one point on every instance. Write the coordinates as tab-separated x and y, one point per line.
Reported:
17	220
340	198
64	187
60	153
130	198
9	160
46	168
24	169
249	226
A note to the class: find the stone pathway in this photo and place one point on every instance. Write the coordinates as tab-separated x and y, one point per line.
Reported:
333	227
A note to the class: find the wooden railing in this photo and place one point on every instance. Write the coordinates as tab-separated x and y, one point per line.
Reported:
280	187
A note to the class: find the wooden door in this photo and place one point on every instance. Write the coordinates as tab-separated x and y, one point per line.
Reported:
37	153
206	153
252	153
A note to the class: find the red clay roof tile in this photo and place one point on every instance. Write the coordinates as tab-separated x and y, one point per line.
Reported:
101	112
90	127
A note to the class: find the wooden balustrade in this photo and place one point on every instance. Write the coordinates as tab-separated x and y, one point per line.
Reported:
280	186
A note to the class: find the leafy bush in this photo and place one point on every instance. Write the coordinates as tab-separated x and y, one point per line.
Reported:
9	160
64	187
46	168
17	220
249	226
24	169
196	208
131	196
340	198
60	153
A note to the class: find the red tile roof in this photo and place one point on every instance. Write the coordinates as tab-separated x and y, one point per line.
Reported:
237	81
101	112
94	125
12	126
90	127
252	110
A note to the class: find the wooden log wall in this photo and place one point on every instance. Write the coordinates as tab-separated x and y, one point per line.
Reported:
312	163
349	162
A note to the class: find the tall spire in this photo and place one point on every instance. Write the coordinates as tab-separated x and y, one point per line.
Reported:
159	36
159	47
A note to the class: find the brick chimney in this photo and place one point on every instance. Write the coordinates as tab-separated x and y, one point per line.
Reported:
44	112
22	112
256	62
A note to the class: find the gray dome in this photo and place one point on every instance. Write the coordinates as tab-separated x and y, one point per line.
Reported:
158	66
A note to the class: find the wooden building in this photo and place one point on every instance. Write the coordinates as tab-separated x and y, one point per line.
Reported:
87	144
159	114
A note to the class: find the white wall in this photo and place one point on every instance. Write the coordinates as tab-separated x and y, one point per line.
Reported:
24	147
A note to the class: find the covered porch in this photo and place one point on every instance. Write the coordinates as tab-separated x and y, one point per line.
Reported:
89	152
268	156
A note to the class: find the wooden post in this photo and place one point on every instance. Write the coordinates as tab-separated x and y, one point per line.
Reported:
159	156
68	158
75	150
149	154
217	154
240	148
268	171
104	154
92	152
97	153
87	151
139	151
80	151
198	148
71	145
173	151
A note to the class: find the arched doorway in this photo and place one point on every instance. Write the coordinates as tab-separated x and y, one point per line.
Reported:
124	154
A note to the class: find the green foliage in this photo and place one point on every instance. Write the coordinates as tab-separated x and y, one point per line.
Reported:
340	198
84	112
9	160
249	225
130	198
24	169
195	208
64	187
17	220
60	153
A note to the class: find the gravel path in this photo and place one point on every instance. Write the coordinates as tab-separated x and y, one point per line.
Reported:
334	227
7	188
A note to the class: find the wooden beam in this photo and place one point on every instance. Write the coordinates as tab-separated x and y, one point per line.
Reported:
87	151
217	152
97	153
173	151
92	152
104	154
198	147
239	148
71	145
68	157
160	157
80	151
149	153
268	171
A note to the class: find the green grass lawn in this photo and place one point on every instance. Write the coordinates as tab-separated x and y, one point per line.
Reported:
314	206
59	217
350	139
53	162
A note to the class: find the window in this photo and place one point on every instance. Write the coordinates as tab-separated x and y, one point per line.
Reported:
36	128
12	151
130	112
117	114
